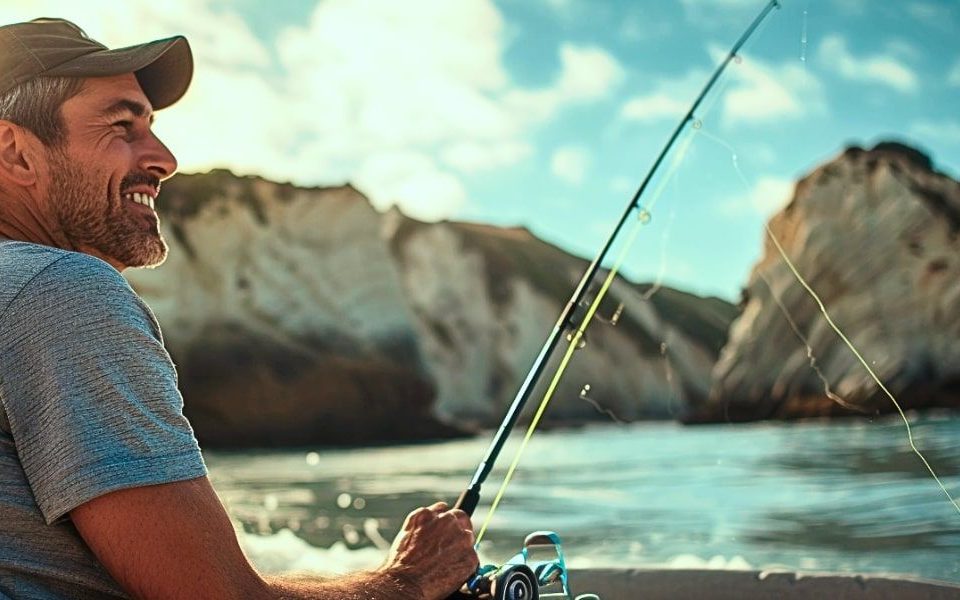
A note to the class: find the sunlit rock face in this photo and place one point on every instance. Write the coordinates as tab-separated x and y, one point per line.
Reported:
486	298
875	234
303	316
285	315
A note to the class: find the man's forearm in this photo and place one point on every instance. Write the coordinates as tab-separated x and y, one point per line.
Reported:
364	585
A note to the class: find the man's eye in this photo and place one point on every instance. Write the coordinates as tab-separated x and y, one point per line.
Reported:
126	125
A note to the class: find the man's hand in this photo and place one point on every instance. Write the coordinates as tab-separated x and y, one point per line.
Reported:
174	541
434	551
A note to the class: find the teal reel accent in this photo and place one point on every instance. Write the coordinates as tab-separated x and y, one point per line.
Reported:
539	570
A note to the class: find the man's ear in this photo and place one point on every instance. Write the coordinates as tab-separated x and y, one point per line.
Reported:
18	151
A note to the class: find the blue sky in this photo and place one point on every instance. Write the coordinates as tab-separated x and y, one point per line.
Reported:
547	113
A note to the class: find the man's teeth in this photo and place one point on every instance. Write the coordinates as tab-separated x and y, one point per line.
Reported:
144	199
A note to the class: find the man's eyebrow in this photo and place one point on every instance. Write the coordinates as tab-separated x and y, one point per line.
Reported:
122	106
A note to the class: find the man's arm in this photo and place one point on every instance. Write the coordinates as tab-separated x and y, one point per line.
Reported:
175	541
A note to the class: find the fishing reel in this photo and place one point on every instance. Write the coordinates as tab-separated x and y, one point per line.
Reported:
537	571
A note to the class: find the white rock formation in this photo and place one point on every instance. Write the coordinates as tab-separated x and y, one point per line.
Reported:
303	316
875	233
308	270
486	299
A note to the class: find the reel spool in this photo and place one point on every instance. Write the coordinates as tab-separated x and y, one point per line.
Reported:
537	572
515	582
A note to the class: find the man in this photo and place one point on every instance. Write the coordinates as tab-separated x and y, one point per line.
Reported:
103	491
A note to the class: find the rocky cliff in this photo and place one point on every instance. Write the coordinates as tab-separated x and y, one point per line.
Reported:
303	316
285	317
875	233
485	299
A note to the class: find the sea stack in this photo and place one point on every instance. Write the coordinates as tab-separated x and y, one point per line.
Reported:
875	234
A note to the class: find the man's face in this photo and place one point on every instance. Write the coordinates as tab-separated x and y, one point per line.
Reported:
106	173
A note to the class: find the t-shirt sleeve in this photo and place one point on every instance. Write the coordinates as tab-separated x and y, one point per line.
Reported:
89	390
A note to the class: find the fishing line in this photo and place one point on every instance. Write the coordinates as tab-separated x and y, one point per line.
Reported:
662	269
470	497
676	390
803	36
643	218
810	355
837	330
826	315
585	396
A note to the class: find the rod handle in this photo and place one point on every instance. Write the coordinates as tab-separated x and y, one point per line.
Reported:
468	500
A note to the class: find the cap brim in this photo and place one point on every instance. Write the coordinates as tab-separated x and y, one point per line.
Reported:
164	68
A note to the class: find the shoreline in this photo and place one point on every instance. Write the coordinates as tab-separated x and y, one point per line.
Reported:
680	584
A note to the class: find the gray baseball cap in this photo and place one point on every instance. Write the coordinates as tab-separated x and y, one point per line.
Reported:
58	48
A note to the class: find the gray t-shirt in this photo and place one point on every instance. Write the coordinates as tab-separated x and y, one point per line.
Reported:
88	405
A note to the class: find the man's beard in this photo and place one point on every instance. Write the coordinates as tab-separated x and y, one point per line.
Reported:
93	217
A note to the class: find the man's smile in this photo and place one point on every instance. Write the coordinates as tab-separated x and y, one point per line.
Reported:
143	198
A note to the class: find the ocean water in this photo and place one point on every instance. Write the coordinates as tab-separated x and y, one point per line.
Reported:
840	496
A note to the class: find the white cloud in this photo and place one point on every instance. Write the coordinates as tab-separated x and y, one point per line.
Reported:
623	185
953	78
229	117
588	72
653	107
695	8
694	4
391	74
377	79
352	92
218	37
413	182
759	154
942	131
901	47
640	28
471	157
928	12
668	99
760	92
570	164
377	87
852	7
882	69
769	194
210	128
751	91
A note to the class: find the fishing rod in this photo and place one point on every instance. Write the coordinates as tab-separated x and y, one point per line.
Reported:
508	582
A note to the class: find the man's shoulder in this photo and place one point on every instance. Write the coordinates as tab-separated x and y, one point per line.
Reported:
28	271
24	257
31	260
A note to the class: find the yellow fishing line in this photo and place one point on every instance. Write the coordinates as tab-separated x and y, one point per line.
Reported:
581	330
803	339
644	217
578	335
836	329
826	315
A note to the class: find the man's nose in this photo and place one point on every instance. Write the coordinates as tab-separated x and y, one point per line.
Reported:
155	157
